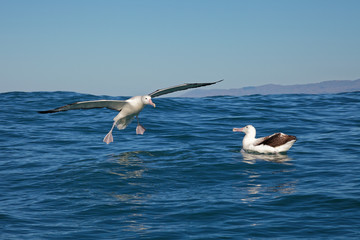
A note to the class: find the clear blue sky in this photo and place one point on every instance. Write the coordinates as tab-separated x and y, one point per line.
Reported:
132	47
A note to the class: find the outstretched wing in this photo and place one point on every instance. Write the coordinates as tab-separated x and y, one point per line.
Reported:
111	104
181	87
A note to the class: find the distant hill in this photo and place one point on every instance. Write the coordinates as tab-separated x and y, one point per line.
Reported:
335	86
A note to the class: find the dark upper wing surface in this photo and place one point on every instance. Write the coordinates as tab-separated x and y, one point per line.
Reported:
277	139
181	87
111	104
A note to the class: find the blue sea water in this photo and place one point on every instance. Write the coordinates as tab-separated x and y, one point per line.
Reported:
186	177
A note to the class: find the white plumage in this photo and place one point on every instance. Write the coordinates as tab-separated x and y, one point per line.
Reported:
275	143
129	108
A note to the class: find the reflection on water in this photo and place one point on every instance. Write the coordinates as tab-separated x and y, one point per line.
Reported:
284	188
134	226
130	165
130	169
251	157
257	184
131	198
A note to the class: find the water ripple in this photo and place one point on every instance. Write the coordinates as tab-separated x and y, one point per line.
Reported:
186	177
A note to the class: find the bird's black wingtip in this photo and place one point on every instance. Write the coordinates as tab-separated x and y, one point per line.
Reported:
48	111
217	81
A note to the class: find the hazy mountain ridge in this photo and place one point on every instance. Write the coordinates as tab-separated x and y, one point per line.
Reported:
334	86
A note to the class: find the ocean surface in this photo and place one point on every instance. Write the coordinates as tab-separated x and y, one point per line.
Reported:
186	177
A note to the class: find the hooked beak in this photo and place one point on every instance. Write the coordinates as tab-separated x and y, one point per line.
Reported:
151	103
238	129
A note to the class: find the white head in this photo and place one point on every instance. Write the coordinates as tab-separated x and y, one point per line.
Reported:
248	130
147	100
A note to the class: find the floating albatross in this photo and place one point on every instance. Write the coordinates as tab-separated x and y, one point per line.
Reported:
128	109
275	143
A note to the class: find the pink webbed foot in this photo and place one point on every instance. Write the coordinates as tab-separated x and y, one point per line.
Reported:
140	129
109	137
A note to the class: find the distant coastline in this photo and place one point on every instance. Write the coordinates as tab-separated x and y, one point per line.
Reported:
326	87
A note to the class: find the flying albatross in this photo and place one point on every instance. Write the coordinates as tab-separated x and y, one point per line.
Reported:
275	143
128	109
